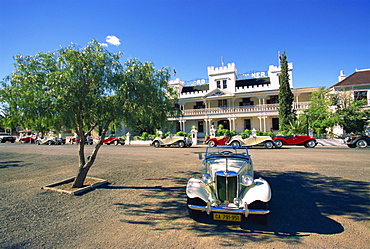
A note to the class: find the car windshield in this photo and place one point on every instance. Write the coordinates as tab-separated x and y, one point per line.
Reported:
226	164
226	151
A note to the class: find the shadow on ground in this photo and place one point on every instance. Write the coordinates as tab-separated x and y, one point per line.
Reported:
301	204
9	164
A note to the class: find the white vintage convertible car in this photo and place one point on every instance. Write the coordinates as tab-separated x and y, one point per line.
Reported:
227	189
179	141
252	140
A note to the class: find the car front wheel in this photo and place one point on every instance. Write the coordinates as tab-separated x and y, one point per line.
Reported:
259	218
235	144
156	144
310	144
194	214
116	143
269	145
361	143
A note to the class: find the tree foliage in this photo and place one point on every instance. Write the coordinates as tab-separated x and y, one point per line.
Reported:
320	116
286	97
351	116
82	89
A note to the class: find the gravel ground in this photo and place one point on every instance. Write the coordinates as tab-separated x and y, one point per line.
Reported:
320	199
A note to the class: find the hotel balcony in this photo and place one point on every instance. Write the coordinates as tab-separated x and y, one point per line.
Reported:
241	110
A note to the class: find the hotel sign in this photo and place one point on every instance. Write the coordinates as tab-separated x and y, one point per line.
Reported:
253	75
196	82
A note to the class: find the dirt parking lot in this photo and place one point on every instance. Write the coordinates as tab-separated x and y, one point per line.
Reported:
320	199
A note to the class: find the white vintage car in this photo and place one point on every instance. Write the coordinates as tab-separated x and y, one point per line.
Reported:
179	141
50	140
252	140
227	189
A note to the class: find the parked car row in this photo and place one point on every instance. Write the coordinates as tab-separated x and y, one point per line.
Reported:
265	141
353	141
51	140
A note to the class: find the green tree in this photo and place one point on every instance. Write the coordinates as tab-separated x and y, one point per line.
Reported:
85	88
351	116
319	114
286	97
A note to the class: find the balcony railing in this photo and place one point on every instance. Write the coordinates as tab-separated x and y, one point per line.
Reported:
241	109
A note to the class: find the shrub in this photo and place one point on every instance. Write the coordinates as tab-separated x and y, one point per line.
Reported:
144	136
181	133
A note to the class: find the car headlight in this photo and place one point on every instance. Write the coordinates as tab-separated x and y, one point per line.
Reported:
247	180
237	201
207	178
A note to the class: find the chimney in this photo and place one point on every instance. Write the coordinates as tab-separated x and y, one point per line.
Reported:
341	76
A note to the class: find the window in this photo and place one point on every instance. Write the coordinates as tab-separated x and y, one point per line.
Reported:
246	102
247	124
273	100
218	84
359	95
222	103
224	84
224	123
199	105
200	126
275	123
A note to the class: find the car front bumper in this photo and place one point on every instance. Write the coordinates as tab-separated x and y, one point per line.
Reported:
246	211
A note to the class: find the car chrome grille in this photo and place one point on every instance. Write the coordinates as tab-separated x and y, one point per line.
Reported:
226	187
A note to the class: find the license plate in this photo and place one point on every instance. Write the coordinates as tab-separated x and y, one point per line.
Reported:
227	217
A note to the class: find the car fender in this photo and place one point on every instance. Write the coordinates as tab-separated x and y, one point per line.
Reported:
236	138
196	188
259	191
261	139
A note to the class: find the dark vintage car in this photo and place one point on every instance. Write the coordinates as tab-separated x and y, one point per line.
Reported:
214	141
7	138
227	189
359	141
306	141
114	140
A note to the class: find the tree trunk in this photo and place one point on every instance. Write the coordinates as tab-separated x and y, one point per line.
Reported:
86	165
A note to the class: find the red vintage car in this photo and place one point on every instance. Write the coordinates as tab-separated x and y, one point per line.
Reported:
306	141
76	140
27	140
114	140
214	141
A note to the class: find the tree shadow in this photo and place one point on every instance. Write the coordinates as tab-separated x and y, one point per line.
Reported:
301	204
9	164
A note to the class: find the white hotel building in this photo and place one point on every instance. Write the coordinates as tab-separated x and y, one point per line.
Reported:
238	102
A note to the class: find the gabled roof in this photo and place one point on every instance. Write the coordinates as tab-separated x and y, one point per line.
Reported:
218	92
358	78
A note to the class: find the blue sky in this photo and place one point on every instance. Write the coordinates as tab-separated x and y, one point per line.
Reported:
320	37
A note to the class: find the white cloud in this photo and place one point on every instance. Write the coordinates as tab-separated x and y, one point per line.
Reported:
111	39
104	44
